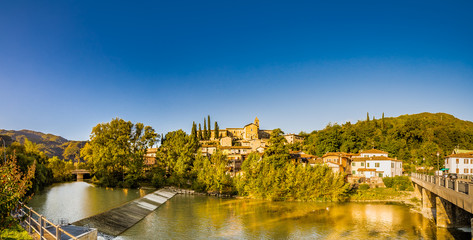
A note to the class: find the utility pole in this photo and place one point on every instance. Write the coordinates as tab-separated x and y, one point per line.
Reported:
438	163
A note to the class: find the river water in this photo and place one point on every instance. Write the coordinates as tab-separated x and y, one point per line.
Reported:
202	217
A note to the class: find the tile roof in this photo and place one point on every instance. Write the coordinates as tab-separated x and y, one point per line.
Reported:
461	155
335	154
375	158
373	151
366	170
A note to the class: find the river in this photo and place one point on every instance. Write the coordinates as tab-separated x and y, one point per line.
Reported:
202	217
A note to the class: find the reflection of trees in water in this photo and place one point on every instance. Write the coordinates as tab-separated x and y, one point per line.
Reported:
199	216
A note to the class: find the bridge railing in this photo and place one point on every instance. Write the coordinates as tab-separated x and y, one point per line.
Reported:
35	222
463	184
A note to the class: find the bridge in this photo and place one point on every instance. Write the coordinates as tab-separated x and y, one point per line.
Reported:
80	173
449	201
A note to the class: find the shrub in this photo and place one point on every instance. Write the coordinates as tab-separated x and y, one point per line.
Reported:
401	183
364	186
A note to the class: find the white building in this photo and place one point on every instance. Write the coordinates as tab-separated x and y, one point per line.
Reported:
461	163
375	163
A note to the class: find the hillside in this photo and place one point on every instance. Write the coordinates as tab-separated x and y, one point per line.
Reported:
51	144
413	138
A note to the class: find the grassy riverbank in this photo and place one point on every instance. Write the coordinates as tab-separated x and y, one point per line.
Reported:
14	232
381	194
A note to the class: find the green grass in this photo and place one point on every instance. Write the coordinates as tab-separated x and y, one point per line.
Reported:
376	194
14	232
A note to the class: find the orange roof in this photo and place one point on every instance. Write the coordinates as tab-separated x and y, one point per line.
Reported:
461	155
335	154
151	150
375	158
373	151
235	147
366	170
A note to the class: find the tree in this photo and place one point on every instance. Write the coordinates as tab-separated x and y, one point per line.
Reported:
383	121
61	169
205	130
177	156
194	132
199	134
367	117
209	131
216	131
14	185
72	151
117	149
277	152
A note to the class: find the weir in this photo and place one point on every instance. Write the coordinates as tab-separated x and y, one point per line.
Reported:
117	220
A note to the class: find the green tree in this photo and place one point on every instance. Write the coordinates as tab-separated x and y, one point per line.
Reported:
209	131
14	185
61	169
216	131
277	152
205	130
117	149
199	133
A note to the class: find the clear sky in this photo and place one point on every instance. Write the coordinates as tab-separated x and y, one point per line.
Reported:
67	65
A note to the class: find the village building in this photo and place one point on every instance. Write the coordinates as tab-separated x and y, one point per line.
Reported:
461	163
293	138
150	156
375	163
339	162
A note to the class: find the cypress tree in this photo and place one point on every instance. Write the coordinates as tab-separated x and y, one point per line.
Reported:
216	129
209	132
199	133
383	120
367	117
205	130
194	131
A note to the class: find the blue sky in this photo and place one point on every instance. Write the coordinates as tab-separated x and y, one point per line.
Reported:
298	65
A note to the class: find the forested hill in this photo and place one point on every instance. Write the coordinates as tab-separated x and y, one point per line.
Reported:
51	144
408	137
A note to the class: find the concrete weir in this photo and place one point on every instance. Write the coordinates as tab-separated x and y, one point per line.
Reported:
117	220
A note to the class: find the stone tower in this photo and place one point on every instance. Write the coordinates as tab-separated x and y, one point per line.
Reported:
257	121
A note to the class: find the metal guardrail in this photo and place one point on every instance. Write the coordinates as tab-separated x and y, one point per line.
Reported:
463	183
35	222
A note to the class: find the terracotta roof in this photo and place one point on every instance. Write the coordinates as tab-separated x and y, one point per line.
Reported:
366	170
151	150
375	158
461	155
373	151
235	147
316	161
207	146
335	154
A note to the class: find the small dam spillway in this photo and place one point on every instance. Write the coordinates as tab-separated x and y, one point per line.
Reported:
117	220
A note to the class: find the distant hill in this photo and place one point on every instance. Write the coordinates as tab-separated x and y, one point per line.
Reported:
51	144
414	138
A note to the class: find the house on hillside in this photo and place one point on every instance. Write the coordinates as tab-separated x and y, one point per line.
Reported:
337	161
461	163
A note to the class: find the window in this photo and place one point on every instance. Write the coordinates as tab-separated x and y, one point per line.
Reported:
465	161
362	164
465	170
458	160
446	161
380	175
353	172
458	170
392	165
376	164
367	164
353	164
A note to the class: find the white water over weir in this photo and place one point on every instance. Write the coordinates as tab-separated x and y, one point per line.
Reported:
117	220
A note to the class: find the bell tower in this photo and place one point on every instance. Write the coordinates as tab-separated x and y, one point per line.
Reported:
257	122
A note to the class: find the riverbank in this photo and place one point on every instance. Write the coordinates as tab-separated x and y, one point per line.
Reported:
15	232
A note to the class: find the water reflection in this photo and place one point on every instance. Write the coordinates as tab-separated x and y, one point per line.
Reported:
201	217
77	200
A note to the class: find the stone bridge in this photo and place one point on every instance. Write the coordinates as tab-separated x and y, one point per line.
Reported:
80	173
449	201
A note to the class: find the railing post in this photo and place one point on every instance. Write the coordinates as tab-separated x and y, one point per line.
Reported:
58	233
470	189
455	185
29	220
40	227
